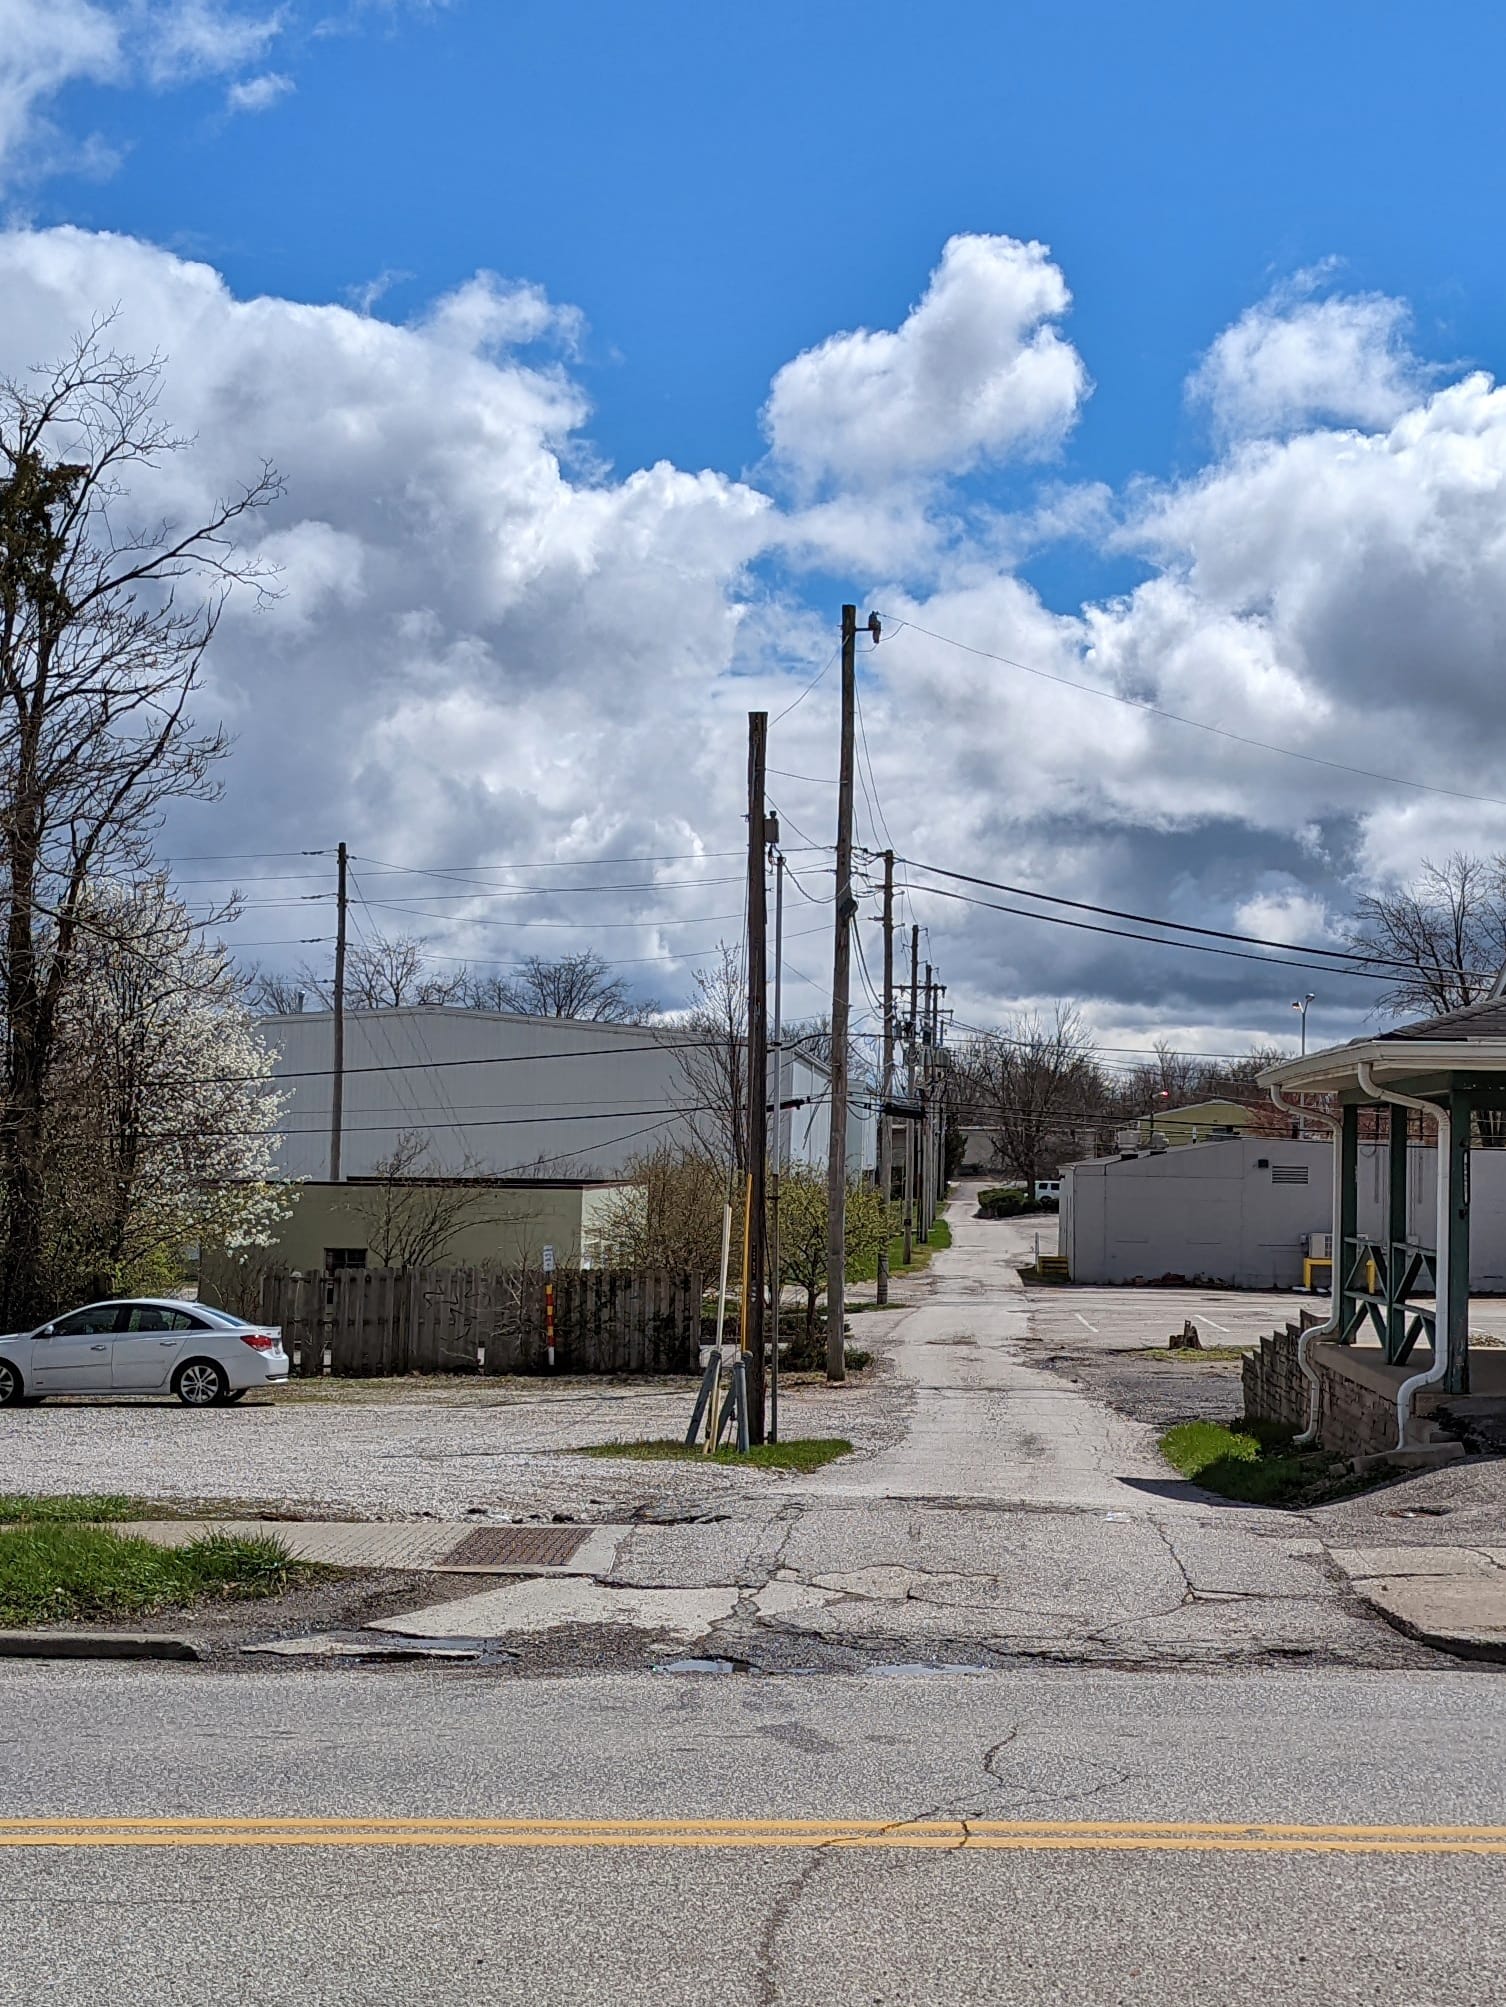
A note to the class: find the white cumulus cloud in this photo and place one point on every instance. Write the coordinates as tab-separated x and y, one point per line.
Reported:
977	370
1292	360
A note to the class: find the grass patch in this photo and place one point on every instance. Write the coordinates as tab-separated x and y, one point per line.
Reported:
1193	1355
1254	1462
800	1453
73	1508
53	1570
866	1269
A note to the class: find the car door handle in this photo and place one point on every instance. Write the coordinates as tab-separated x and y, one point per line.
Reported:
173	1341
99	1348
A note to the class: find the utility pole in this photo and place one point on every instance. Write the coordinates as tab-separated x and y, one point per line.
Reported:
927	1177
911	1127
774	1176
337	1083
841	978
758	1075
886	1125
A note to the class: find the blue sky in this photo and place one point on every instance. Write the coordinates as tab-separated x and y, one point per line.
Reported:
718	188
1265	497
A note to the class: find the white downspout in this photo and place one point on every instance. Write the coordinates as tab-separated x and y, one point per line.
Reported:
1407	1392
1331	1324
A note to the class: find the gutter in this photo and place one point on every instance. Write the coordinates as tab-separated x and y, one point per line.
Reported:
1331	1324
1407	1392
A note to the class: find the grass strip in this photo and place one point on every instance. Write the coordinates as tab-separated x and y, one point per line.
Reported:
865	1269
804	1453
52	1571
74	1508
1255	1463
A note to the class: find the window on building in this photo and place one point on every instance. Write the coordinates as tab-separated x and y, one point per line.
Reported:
338	1259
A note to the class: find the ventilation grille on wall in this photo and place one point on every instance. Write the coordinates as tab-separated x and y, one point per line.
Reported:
1288	1174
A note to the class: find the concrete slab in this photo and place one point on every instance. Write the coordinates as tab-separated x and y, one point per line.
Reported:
521	1609
1458	1614
1361	1563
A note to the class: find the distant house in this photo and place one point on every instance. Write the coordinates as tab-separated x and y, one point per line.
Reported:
1196	1121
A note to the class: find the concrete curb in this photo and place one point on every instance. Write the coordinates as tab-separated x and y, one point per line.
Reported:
95	1645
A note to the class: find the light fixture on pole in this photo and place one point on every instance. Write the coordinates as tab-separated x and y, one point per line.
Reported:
1300	1004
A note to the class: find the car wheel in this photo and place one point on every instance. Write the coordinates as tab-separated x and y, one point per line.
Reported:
11	1390
235	1394
200	1384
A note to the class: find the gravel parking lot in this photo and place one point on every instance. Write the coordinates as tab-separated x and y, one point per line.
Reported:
404	1449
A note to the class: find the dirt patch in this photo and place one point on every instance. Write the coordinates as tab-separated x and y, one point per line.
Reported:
1160	1388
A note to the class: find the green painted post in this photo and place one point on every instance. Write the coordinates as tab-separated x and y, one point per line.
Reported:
1344	1225
1461	1112
1396	1233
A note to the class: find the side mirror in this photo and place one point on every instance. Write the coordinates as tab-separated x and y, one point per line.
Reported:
45	1332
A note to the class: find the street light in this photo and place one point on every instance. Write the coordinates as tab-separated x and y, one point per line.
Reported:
1300	1004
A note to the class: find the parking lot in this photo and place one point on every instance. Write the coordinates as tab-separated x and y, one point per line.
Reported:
1126	1320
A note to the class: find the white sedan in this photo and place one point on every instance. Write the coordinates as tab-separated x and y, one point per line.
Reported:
143	1345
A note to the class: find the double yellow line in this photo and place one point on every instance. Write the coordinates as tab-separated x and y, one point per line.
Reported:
940	1835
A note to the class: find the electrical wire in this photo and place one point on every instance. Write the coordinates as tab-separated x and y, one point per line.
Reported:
893	626
1351	959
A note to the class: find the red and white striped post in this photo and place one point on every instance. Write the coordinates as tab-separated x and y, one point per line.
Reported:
549	1303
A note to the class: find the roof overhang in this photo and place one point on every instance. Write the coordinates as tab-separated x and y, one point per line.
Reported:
1337	1069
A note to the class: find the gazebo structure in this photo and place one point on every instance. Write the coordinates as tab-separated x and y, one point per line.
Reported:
1411	1298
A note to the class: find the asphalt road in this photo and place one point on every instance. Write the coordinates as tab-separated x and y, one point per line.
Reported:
1047	1894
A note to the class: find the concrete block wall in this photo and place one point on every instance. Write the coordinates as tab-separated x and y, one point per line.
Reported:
1274	1387
1356	1401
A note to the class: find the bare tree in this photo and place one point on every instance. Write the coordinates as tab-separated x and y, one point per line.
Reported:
414	1217
385	972
578	986
270	993
714	1067
1447	930
98	661
1034	1081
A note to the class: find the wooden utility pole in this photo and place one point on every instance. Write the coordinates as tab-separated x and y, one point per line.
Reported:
758	1076
778	1166
886	1091
927	1172
337	1081
841	977
912	1032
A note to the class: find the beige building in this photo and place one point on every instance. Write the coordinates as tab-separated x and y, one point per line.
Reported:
423	1222
1197	1121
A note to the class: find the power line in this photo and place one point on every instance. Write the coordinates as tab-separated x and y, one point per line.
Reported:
1153	940
1352	961
1197	724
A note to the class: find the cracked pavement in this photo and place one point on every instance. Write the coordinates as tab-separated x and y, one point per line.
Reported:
1013	1516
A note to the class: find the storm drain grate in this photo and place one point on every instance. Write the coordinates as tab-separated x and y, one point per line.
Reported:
518	1547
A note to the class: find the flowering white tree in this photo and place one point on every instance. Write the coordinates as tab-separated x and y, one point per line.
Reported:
162	1122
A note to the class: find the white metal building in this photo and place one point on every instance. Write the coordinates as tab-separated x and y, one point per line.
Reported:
514	1096
1241	1210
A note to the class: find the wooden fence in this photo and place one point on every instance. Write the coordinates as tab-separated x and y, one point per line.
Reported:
475	1320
